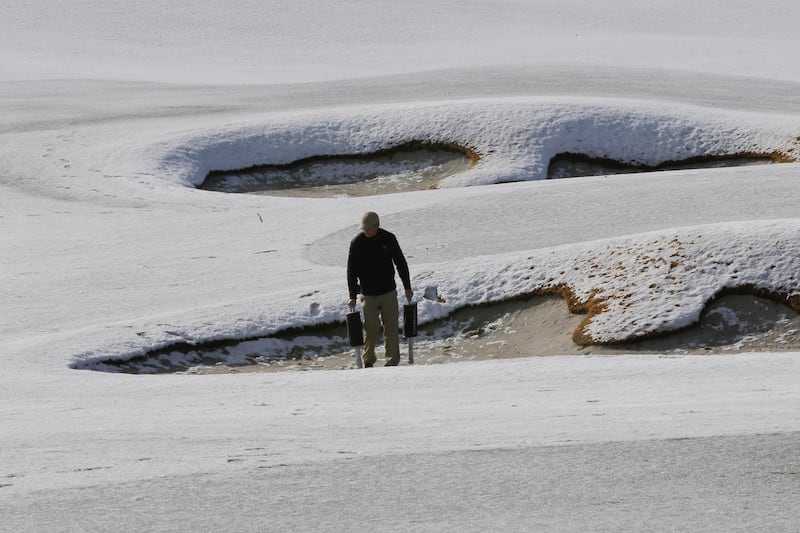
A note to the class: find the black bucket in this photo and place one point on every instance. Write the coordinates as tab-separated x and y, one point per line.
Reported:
410	320
355	330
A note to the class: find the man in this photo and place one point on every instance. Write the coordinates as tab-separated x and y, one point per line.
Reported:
374	253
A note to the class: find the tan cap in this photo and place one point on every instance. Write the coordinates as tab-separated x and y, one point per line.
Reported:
370	221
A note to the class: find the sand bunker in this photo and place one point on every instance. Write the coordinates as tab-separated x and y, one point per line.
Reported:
571	165
538	326
422	165
409	167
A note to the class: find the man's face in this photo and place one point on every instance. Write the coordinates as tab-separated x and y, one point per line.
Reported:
371	232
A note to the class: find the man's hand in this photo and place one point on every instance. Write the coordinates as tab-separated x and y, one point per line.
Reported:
409	294
351	304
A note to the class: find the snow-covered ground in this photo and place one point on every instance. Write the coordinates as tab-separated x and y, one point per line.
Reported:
111	114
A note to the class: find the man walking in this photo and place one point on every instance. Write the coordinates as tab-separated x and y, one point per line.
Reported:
374	253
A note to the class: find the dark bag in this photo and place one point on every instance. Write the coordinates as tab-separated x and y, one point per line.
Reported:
410	320
355	330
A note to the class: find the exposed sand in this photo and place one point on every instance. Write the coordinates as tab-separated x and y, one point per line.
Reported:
410	167
543	326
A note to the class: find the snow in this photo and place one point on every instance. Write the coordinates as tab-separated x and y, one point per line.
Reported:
516	137
112	114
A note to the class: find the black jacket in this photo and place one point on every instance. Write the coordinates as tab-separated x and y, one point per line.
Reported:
371	262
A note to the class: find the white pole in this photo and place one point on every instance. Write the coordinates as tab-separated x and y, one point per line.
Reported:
359	361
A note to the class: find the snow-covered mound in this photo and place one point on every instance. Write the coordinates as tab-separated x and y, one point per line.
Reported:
642	285
515	138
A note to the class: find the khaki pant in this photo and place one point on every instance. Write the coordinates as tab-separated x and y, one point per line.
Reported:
384	305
